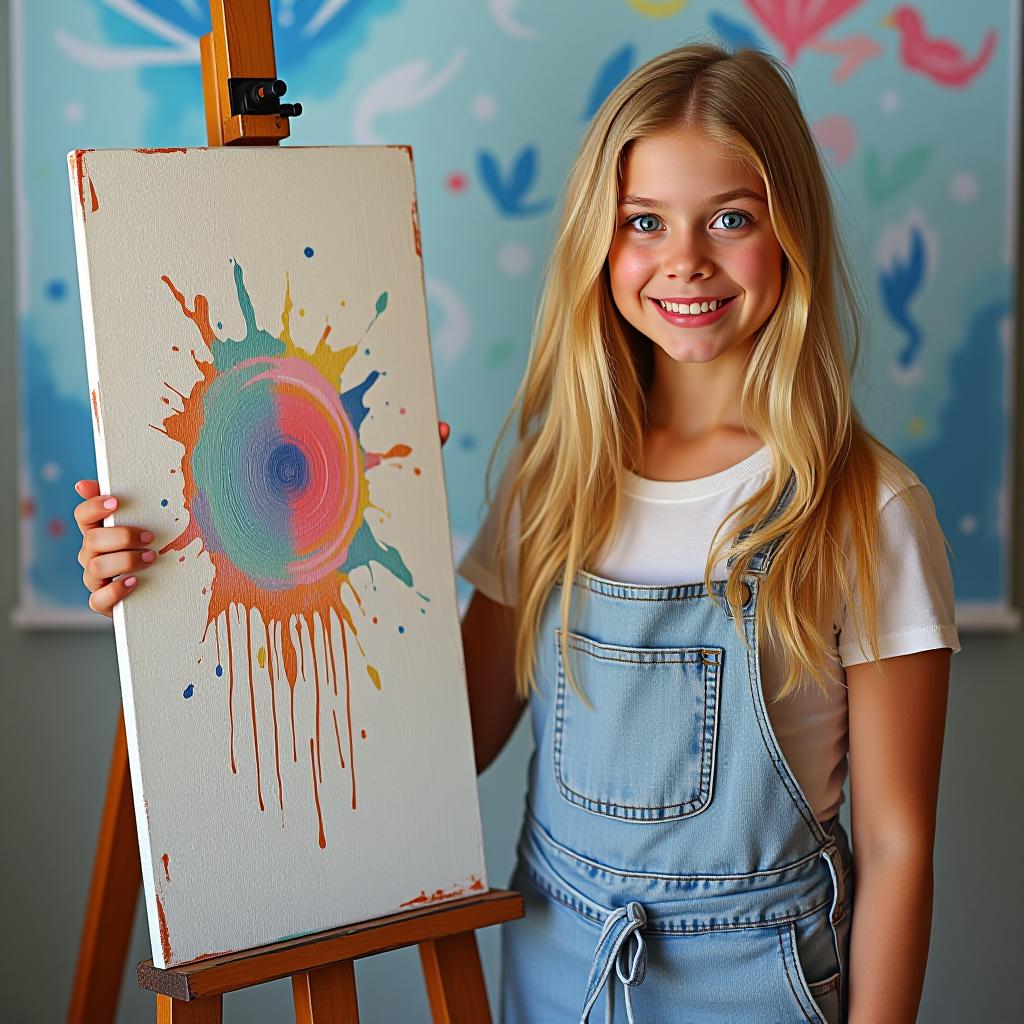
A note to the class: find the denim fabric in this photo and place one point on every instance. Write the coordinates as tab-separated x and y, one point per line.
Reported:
670	863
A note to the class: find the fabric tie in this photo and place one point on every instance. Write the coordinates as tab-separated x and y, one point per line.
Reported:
613	949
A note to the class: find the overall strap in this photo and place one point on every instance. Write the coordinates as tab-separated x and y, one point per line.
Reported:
761	560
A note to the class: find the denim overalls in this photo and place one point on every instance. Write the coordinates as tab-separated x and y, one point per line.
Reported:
670	863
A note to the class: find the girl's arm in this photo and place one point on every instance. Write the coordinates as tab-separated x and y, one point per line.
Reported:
488	643
896	732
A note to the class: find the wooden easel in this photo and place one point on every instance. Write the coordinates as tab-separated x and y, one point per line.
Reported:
242	94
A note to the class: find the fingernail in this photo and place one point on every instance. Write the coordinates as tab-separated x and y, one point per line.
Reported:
148	556
110	503
130	581
145	536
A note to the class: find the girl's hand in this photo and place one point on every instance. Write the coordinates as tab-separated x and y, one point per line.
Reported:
110	556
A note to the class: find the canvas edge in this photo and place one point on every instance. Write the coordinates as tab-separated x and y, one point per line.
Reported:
103	476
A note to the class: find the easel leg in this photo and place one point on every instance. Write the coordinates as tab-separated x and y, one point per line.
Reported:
113	895
199	1011
326	995
455	980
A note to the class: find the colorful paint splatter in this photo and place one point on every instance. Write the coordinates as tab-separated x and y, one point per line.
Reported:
275	483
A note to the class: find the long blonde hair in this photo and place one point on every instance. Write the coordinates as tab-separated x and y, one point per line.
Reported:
582	402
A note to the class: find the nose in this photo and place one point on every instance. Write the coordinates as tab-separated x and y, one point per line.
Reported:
687	256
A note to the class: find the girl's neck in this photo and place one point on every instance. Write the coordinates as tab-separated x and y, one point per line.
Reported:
694	427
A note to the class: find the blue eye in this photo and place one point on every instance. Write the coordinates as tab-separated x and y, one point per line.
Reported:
736	213
637	218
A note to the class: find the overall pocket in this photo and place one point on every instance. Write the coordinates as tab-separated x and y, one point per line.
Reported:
814	965
645	750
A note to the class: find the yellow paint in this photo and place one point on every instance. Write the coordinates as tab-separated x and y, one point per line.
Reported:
373	674
261	657
657	8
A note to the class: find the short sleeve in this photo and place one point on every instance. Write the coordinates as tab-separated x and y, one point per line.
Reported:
915	585
480	564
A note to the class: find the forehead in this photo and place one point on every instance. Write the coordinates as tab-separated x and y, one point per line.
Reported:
683	167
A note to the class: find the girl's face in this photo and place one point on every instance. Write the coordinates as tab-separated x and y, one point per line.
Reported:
693	226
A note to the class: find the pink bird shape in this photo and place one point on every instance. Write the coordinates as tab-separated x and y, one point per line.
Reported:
796	23
942	61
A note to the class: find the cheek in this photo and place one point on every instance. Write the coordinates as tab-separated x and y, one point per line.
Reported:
628	269
759	266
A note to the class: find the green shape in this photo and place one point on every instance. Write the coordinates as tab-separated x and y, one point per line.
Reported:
908	166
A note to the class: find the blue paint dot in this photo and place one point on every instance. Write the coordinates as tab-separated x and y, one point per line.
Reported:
189	690
468	441
401	629
164	503
220	326
219	670
56	289
366	351
423	611
308	251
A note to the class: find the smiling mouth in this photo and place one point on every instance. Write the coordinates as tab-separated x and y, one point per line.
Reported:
684	311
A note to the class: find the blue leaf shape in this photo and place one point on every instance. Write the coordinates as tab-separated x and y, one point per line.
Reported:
523	171
490	173
611	72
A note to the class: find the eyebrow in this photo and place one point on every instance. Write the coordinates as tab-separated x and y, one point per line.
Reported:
725	197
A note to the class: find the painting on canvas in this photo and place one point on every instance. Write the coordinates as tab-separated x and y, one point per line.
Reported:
291	668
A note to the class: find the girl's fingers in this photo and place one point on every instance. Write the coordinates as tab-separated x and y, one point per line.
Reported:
114	538
444	430
105	567
94	510
104	599
87	488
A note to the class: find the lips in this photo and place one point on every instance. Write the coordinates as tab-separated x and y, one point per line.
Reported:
694	319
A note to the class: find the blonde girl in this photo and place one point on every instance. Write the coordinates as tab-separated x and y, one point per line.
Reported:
718	592
759	591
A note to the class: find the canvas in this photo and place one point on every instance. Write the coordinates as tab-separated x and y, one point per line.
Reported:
291	665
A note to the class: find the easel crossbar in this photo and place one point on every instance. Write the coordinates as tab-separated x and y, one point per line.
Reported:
229	972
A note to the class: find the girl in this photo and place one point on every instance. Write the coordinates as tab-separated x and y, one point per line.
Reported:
686	416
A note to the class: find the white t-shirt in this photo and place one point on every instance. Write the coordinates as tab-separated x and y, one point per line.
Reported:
664	536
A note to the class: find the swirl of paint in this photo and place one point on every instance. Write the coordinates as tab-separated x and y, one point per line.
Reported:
279	472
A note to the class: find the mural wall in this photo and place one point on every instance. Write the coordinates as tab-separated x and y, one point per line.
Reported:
914	107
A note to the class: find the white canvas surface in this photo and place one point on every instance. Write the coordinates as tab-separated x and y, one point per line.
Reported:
288	486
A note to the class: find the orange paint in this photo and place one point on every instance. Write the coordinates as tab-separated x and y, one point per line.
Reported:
273	706
165	935
93	196
231	691
348	713
171	149
475	885
167	860
337	737
95	408
416	229
394	452
316	796
78	159
252	707
316	687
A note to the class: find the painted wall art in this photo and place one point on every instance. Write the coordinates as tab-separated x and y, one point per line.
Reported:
262	396
929	214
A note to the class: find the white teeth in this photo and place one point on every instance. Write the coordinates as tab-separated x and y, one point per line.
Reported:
692	308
